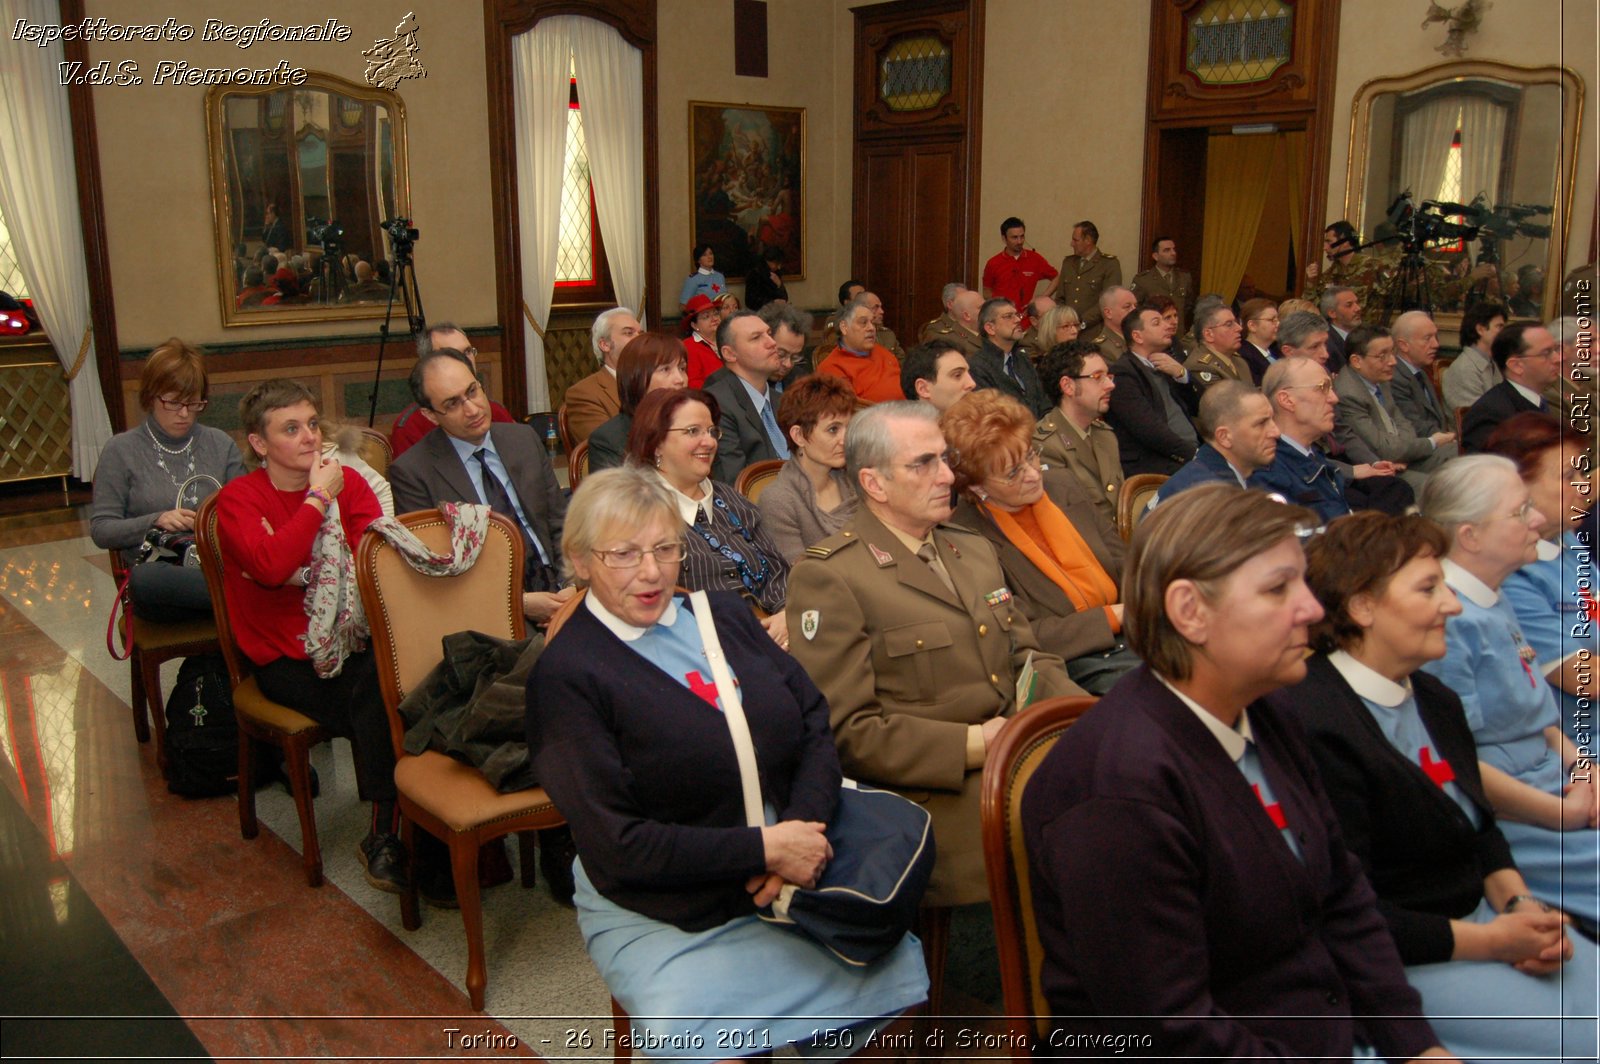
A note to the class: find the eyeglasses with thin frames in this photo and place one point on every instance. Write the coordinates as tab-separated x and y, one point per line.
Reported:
173	406
471	395
1031	460
1324	386
1097	376
695	432
633	557
926	465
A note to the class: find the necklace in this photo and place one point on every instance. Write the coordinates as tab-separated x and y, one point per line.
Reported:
187	452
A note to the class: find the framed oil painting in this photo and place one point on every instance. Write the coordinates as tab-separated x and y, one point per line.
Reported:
747	184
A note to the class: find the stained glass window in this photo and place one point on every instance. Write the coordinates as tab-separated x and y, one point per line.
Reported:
575	242
914	74
1235	42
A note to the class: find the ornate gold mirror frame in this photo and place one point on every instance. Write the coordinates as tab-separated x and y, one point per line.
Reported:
1544	155
329	158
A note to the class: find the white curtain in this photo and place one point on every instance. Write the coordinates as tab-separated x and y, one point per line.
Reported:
39	197
610	75
1429	132
541	79
1483	142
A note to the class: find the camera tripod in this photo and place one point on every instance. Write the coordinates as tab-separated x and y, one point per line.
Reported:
402	278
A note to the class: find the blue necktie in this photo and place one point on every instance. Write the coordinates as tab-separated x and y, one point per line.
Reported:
774	434
499	500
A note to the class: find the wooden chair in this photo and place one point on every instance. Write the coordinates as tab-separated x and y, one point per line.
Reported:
1133	502
409	614
1009	765
150	645
754	478
260	719
1461	419
374	449
577	464
564	430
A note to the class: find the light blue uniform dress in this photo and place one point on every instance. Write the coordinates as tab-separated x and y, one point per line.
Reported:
1484	1010
1548	600
743	987
709	283
1489	663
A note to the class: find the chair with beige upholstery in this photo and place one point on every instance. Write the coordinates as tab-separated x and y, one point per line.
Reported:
373	448
410	613
1133	502
260	719
754	478
150	644
1011	761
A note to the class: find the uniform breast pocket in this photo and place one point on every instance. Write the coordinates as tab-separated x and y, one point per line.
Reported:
911	648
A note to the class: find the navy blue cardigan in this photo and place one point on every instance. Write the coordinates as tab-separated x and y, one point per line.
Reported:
645	773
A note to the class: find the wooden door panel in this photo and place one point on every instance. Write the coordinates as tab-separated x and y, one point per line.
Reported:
934	247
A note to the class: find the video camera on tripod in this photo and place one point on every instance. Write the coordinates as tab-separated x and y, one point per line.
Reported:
402	235
1429	222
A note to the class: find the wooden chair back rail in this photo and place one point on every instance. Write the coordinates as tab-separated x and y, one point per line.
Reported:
1009	765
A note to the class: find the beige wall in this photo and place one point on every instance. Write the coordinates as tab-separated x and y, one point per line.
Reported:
1063	124
1377	40
157	186
805	69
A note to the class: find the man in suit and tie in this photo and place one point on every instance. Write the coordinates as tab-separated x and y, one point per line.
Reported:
1416	346
593	401
410	425
1368	424
1003	362
475	460
1529	360
743	390
1342	308
909	630
1153	400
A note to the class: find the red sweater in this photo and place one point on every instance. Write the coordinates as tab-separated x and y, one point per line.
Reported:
410	426
269	615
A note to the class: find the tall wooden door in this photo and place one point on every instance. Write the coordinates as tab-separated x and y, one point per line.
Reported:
917	104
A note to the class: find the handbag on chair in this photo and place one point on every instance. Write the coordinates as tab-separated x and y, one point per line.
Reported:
867	896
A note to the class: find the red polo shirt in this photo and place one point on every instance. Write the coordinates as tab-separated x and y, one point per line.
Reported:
1016	278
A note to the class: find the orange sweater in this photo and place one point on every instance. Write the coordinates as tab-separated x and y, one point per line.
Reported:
875	378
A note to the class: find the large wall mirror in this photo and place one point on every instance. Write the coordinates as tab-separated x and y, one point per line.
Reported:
1498	139
302	181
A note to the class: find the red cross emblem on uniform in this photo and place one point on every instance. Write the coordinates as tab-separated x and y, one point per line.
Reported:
1439	772
1274	809
701	686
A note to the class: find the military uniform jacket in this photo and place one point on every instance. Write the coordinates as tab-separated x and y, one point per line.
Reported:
1206	367
906	667
1082	281
946	328
887	338
1094	461
1112	345
1179	287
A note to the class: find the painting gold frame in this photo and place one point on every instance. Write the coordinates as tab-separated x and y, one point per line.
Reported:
224	175
1564	154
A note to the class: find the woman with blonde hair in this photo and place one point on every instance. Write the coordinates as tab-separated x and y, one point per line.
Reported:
1058	325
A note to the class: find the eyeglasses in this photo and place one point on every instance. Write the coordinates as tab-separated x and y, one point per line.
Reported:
1548	352
928	463
1031	460
173	406
1097	376
694	432
633	557
452	404
1520	514
1324	386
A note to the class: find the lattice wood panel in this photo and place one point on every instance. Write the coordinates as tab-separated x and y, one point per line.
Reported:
568	357
35	421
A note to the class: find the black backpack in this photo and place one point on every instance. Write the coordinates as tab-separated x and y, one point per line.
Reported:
202	735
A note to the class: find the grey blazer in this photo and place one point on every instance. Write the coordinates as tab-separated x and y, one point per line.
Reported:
1060	627
744	439
1359	421
1418	402
430	472
789	511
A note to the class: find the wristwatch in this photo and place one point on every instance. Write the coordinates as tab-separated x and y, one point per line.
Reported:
1517	899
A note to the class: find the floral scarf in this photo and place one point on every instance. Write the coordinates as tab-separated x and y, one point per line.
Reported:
337	624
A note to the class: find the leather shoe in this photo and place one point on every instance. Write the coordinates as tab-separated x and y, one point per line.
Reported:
556	854
384	859
437	885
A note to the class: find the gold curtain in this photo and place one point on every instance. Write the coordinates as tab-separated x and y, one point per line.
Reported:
1238	171
1294	164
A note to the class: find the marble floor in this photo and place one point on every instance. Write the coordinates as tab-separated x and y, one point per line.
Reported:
136	923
